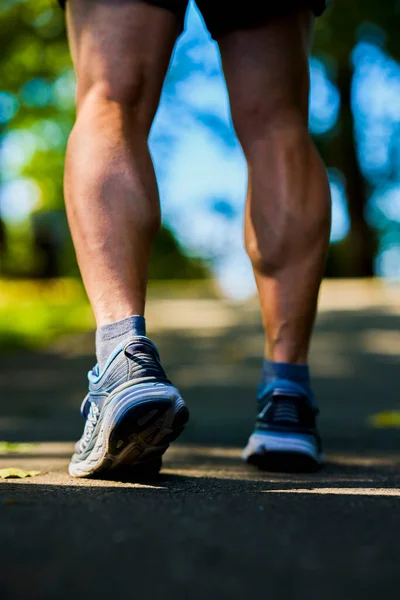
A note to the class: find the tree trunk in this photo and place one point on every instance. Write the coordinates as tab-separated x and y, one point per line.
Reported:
360	243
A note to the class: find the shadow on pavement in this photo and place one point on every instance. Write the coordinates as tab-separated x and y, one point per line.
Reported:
355	362
194	537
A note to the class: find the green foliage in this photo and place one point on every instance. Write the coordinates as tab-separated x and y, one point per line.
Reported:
15	448
345	22
36	71
37	108
33	61
58	306
36	313
169	260
343	26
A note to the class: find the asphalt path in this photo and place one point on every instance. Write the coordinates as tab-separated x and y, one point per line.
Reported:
211	526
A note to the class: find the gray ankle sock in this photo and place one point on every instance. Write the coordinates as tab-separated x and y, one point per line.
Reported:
108	337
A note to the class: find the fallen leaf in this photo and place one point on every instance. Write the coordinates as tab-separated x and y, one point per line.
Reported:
386	419
12	473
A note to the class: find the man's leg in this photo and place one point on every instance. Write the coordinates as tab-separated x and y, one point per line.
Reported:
288	205
121	52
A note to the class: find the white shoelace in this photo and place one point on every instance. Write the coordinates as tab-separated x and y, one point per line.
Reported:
91	422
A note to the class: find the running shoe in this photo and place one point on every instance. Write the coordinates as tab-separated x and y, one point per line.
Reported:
285	437
132	413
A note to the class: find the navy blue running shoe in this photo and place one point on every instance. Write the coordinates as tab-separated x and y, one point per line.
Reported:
132	413
285	437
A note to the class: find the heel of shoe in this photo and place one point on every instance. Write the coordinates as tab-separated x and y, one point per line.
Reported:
284	452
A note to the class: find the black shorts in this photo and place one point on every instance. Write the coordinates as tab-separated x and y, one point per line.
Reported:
223	16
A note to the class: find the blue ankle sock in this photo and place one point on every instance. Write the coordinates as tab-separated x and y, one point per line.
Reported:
286	376
108	337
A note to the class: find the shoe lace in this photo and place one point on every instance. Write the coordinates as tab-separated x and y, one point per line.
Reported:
285	409
91	422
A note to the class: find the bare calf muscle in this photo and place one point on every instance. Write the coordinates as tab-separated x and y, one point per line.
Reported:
121	53
287	227
288	204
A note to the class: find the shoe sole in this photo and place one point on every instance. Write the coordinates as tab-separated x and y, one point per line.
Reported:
283	452
133	436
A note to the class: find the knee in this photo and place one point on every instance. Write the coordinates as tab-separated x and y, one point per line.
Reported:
122	101
126	91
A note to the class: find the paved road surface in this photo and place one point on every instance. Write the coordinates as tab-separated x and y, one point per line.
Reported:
211	527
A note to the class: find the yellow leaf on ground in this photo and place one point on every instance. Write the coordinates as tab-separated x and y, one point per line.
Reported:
12	473
386	419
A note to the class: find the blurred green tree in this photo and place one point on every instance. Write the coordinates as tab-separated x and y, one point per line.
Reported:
37	110
337	34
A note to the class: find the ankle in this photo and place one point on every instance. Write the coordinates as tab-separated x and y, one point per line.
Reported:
283	351
109	336
297	376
